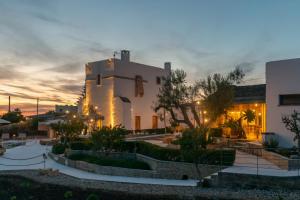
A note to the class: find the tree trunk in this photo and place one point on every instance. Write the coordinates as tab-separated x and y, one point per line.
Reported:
185	116
196	116
181	121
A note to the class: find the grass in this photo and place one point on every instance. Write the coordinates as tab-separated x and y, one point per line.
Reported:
106	161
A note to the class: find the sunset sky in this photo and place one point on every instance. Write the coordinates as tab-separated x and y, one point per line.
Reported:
45	44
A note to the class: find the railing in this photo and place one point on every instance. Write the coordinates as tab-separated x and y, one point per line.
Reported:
33	159
262	161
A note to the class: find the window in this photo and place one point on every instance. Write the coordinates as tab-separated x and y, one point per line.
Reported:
154	122
99	79
137	122
289	99
158	80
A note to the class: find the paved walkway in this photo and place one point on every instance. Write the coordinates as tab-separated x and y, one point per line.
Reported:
32	149
249	164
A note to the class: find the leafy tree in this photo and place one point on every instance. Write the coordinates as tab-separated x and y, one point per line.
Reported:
192	142
248	115
14	116
69	130
291	123
236	125
215	94
107	138
93	118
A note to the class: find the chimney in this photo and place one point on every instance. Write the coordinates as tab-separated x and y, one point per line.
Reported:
168	66
125	55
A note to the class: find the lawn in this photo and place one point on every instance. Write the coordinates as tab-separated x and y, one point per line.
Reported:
106	161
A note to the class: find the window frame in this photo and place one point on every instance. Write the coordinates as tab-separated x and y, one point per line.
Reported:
99	80
158	80
282	96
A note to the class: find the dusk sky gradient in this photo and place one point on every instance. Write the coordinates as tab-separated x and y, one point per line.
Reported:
45	44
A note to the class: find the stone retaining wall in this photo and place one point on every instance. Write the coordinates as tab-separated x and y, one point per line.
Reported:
235	180
159	168
150	191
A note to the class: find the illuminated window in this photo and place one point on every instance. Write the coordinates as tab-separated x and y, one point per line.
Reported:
99	79
289	99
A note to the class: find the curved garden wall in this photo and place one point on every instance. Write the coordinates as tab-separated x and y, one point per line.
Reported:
159	169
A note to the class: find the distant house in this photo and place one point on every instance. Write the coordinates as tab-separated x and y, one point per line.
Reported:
65	109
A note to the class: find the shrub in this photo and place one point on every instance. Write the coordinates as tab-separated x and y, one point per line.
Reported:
108	139
157	152
212	157
215	132
271	143
107	161
58	148
207	156
68	194
93	197
81	145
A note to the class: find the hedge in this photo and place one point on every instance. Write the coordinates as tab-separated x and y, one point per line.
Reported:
207	156
81	145
215	132
153	131
58	148
106	161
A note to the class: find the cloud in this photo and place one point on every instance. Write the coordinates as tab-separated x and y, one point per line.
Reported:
74	67
9	72
22	87
27	108
50	19
50	98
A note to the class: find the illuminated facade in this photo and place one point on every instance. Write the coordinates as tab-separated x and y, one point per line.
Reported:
250	97
123	92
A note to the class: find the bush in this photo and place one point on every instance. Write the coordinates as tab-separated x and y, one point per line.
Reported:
207	156
107	161
108	139
93	197
81	145
157	152
271	143
212	157
153	131
215	132
58	148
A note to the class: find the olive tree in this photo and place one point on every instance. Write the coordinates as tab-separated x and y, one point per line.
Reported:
292	123
215	94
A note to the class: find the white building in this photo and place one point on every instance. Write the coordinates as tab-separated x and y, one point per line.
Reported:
282	96
62	109
124	92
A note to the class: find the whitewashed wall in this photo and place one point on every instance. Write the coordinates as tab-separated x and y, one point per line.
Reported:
282	77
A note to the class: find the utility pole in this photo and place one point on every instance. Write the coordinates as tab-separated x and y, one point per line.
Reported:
9	104
37	112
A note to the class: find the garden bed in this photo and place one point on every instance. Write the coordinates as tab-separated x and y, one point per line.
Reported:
107	161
